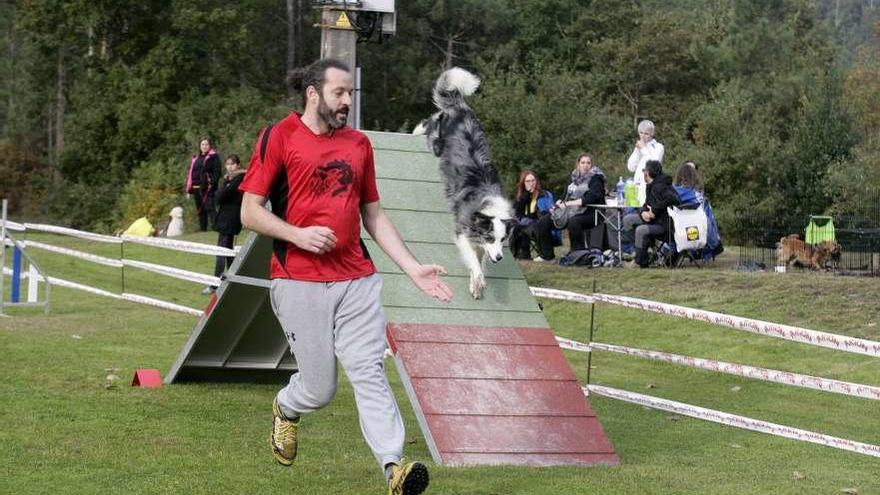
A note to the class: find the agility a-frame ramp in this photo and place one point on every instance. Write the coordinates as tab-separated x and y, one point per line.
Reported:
487	380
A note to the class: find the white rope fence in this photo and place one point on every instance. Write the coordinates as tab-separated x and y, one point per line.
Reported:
563	295
165	243
573	344
802	335
734	420
162	304
770	375
787	332
94	258
184	246
60	282
15	226
178	273
89	236
778	330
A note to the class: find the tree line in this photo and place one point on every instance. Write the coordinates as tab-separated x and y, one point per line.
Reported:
777	101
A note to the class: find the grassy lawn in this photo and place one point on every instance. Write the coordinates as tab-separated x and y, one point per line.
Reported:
69	426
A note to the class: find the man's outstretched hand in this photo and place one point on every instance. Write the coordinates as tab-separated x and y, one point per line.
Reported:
427	279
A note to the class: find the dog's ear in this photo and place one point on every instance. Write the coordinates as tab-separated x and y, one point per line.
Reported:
482	221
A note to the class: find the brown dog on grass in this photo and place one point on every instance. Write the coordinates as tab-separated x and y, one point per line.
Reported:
792	251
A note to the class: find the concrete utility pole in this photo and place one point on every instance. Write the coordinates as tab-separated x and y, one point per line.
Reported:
339	41
338	36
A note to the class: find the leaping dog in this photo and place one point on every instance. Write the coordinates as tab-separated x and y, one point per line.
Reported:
483	216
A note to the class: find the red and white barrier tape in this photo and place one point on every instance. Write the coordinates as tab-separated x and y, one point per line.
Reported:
94	258
185	246
783	377
563	295
52	229
174	272
572	344
734	420
787	332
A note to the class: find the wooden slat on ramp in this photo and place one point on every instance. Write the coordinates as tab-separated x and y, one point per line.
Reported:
487	395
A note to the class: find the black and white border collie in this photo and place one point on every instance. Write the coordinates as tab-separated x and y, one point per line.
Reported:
483	217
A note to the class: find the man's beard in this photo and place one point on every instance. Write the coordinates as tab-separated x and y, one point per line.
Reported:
331	117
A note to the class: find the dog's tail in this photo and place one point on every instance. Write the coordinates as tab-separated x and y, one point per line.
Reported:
452	86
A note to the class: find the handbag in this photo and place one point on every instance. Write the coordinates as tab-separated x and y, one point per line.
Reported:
560	216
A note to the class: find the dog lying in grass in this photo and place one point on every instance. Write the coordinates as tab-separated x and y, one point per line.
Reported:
792	251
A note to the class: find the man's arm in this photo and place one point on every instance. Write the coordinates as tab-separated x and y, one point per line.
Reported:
256	217
425	277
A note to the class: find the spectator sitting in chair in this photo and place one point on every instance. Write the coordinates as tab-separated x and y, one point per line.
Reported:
689	186
532	203
587	187
652	220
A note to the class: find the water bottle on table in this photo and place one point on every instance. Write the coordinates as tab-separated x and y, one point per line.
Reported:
620	187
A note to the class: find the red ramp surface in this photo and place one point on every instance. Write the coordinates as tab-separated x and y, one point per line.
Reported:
488	395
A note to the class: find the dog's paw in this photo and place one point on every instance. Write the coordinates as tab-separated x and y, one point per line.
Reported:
478	283
421	129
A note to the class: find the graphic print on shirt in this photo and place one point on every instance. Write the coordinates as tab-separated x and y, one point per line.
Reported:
333	178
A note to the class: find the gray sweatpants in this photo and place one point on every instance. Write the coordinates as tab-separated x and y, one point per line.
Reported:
324	321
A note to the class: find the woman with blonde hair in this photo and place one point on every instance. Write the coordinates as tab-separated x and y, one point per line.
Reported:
587	187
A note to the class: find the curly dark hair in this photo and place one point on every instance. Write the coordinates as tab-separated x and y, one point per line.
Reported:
314	75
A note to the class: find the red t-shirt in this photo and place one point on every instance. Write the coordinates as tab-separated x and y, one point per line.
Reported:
316	180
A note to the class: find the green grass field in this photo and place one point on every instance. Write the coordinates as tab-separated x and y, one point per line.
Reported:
69	427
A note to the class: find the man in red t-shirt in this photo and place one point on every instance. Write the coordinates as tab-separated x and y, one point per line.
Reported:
320	178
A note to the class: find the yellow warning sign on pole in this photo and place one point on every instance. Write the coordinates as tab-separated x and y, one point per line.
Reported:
343	22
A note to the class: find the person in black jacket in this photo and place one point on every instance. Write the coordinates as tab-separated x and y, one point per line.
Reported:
532	203
652	220
202	180
227	221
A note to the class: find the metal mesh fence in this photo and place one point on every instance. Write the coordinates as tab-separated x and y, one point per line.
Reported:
858	236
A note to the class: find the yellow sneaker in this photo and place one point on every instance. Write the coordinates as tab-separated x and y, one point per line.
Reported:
408	478
283	439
